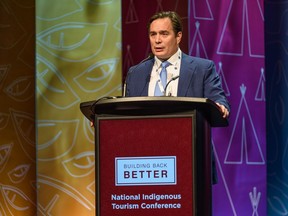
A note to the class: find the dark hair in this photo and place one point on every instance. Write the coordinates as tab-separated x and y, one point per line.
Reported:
173	16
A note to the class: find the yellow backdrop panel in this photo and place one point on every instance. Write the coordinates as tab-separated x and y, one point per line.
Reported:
78	59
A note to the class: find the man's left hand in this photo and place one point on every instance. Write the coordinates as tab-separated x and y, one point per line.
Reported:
224	110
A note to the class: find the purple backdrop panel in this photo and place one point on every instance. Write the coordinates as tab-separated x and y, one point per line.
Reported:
232	34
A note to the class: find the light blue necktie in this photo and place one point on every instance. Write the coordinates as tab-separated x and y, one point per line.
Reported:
163	77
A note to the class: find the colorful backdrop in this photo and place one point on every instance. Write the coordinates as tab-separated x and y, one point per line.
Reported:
78	59
232	34
80	45
17	108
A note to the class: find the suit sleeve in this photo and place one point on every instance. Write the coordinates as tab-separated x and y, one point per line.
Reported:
213	86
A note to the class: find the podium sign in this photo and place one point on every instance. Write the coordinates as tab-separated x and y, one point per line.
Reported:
145	165
153	154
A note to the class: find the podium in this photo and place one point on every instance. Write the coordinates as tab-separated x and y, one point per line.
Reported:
153	155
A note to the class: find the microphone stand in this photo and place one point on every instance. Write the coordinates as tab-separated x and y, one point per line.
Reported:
150	56
172	79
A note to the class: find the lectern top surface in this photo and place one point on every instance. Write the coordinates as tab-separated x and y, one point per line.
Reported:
131	106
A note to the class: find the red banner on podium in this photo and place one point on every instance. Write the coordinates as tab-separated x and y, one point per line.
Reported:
145	165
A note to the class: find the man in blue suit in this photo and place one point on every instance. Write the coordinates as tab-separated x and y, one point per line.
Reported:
189	76
186	76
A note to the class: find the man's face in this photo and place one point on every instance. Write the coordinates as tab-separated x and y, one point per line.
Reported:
163	41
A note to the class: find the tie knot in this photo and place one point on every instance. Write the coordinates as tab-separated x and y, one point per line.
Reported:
165	64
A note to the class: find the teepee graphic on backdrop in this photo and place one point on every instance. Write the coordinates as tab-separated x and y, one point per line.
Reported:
242	147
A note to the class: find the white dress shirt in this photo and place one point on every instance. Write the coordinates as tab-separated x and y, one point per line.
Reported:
173	70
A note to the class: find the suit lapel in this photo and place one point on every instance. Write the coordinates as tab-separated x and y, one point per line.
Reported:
186	74
146	72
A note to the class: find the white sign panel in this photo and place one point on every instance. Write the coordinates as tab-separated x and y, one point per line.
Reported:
145	171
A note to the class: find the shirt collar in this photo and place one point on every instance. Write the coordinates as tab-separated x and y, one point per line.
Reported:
172	60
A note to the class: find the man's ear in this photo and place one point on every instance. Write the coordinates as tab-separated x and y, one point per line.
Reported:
179	37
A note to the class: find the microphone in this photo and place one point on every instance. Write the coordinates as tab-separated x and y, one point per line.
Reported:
172	79
150	56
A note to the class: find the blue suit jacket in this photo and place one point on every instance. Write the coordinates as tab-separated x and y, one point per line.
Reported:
198	78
